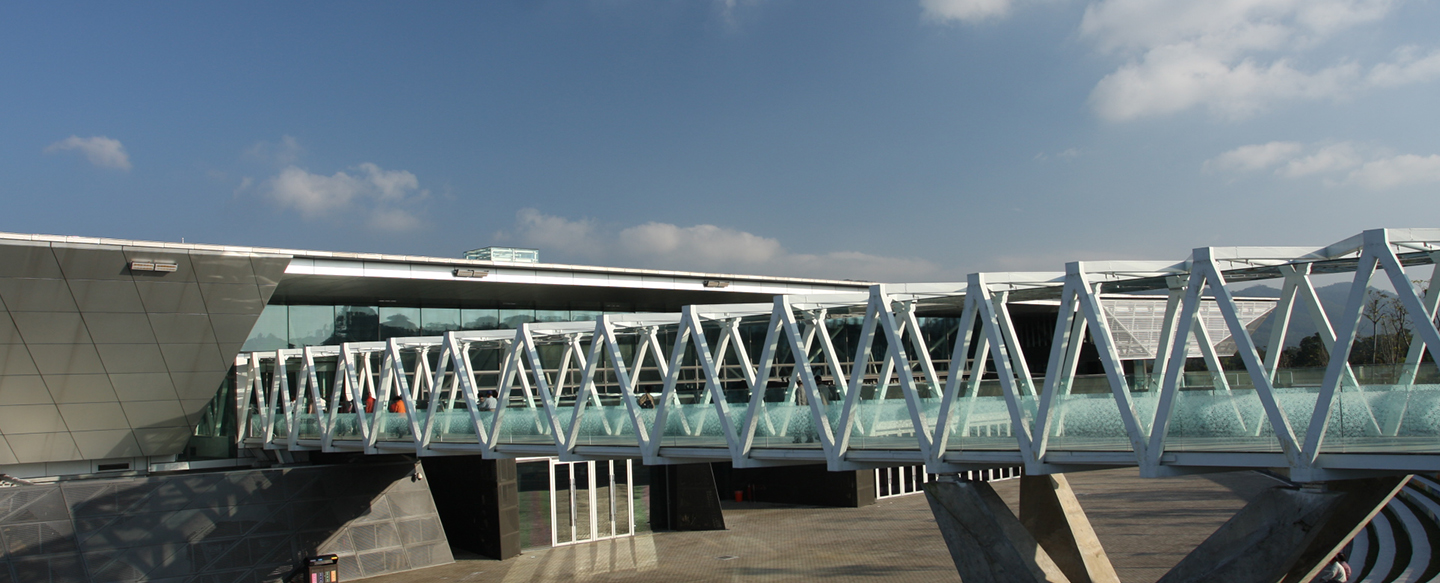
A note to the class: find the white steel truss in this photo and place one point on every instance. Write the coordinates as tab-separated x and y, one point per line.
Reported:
679	388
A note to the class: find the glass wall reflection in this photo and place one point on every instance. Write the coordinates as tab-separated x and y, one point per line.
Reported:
298	326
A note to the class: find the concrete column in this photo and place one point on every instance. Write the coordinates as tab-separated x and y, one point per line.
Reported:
986	541
479	503
1286	534
1050	512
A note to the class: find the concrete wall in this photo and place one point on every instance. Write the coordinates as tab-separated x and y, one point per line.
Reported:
249	526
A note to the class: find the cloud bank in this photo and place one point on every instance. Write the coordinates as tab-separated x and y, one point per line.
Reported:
700	248
1337	163
1231	58
382	196
99	150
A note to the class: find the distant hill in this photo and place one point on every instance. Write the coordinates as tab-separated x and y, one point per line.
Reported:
1332	298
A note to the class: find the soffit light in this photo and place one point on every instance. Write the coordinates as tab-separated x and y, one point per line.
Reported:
476	273
716	283
153	266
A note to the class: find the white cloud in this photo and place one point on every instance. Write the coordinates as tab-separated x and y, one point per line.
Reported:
1341	156
1254	157
100	150
700	248
1339	163
371	191
965	10
285	152
1403	170
1233	58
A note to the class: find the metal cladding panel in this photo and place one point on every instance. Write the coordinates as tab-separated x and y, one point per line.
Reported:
80	388
155	414
26	259
36	295
91	262
8	333
66	358
106	296
51	327
15	360
113	328
129	356
143	387
44	447
93	416
23	390
166	297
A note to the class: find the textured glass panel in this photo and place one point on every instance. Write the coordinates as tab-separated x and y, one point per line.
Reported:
356	324
399	322
479	319
520	424
437	321
552	315
584	315
311	325
514	318
271	331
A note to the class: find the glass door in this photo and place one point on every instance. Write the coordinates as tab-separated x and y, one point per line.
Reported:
591	501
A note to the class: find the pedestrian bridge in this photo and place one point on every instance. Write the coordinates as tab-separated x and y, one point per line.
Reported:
776	383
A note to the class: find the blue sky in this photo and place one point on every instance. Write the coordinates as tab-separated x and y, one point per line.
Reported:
882	140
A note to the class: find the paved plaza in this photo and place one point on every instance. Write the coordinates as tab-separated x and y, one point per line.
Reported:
1146	525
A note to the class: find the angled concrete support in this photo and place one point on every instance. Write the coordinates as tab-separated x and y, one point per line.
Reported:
986	541
1050	512
1286	534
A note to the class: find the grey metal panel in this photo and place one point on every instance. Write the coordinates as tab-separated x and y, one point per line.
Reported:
163	441
107	444
23	390
91	261
193	358
27	259
181	328
66	358
96	295
197	385
36	295
15	360
7	456
183	270
108	328
228	351
80	388
216	268
131	358
51	327
143	386
232	298
194	409
44	447
8	333
17	419
164	296
233	328
155	414
93	416
269	270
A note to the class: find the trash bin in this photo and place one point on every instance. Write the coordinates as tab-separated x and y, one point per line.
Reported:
322	569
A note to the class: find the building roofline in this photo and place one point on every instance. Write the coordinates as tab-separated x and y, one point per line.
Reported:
420	259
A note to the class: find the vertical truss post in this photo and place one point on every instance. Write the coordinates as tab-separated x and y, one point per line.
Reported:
1176	292
1058	371
552	423
1417	341
990	326
959	364
779	314
598	341
1204	262
1089	298
798	349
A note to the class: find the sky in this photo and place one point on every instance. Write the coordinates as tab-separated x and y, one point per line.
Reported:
889	141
